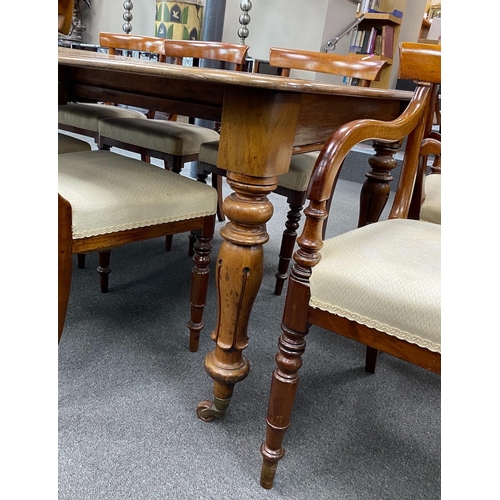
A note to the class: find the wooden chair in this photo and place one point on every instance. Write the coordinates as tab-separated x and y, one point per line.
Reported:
83	118
378	284
293	184
106	200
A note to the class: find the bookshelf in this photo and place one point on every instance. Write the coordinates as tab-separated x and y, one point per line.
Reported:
378	33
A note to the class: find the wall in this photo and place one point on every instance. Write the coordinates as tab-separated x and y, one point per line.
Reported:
285	23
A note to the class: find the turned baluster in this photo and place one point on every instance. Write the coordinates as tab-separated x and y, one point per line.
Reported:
376	189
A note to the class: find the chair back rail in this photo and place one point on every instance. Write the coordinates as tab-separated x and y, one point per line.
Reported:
335	64
198	49
113	41
64	15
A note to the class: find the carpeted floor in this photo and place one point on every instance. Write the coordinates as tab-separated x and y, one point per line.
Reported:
129	387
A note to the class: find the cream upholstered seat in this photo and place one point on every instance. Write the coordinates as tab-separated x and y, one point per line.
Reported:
107	200
431	206
109	193
177	139
70	144
390	255
380	284
293	184
83	118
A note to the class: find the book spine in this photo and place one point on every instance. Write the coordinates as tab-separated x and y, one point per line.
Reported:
387	45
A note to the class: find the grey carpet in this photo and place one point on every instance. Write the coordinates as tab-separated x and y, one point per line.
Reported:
129	387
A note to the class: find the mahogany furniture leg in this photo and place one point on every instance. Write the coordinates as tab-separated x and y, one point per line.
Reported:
285	379
296	203
64	260
217	184
371	359
168	242
253	162
104	270
376	188
199	283
81	260
239	272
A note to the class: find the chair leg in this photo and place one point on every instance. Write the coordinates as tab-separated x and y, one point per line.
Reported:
199	284
192	240
81	260
64	280
64	261
176	167
296	203
371	359
217	184
168	242
201	176
283	389
104	270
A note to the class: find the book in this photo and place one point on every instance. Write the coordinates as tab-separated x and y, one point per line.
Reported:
378	45
365	5
371	41
364	45
387	42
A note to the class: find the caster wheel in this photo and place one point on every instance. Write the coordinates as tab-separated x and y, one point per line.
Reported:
203	411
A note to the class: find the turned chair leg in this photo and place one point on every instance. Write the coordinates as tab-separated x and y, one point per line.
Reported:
283	390
193	236
81	260
168	242
296	203
199	283
64	261
104	270
217	184
175	165
371	359
201	176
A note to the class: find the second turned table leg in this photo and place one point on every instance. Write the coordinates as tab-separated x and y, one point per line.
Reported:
238	274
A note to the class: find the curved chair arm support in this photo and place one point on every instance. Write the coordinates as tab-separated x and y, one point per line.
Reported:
411	123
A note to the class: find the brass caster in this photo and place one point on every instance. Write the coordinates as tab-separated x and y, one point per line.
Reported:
203	411
207	410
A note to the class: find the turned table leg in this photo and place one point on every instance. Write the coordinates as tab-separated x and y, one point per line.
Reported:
255	147
239	271
376	188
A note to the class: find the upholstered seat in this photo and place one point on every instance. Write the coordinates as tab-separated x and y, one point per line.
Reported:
86	116
111	193
431	206
107	200
70	144
173	138
401	257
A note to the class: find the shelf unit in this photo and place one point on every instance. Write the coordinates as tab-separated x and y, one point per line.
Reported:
379	21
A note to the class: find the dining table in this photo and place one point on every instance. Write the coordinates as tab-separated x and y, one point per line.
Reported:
264	120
